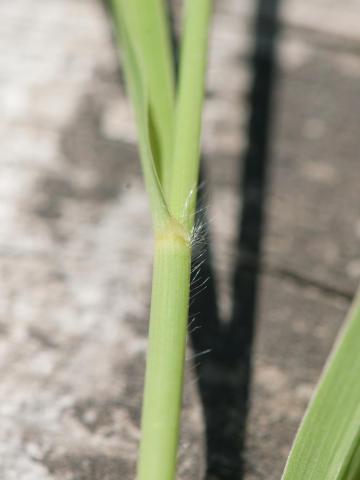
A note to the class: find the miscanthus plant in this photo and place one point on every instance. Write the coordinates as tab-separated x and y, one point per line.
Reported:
168	122
327	446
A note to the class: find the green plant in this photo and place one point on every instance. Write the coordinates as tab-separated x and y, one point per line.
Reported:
168	121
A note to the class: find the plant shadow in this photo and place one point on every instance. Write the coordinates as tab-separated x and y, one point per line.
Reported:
224	375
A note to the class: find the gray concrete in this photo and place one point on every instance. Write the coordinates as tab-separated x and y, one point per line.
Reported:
75	236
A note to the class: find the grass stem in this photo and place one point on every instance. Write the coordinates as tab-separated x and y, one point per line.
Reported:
165	360
169	141
185	162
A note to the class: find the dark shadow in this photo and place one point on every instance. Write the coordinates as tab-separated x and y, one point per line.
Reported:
224	375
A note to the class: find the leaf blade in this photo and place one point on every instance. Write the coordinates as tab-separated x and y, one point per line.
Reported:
147	25
326	446
135	75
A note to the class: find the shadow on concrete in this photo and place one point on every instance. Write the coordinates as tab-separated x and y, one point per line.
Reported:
224	375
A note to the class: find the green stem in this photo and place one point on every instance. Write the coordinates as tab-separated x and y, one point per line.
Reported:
185	166
170	169
165	360
171	277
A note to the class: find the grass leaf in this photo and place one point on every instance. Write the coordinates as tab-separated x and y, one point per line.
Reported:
135	72
327	446
147	23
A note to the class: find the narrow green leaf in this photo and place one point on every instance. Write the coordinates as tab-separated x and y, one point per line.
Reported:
135	73
147	24
154	34
327	446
